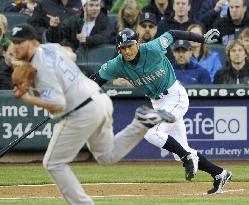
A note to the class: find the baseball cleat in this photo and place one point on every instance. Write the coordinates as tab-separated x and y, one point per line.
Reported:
150	117
190	162
219	181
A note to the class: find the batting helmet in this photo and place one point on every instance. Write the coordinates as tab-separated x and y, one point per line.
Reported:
126	37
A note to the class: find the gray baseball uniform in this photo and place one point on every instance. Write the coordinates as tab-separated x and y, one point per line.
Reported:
60	81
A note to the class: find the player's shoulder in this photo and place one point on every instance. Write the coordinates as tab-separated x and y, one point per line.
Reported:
149	47
162	42
46	49
46	54
116	60
146	46
112	64
50	46
49	50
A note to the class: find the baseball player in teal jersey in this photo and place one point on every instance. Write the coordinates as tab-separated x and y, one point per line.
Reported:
146	67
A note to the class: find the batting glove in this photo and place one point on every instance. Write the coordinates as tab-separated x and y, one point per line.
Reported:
211	36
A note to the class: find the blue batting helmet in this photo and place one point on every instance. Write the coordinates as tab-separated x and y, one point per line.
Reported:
126	37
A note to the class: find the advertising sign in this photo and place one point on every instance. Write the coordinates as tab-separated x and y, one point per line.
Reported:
217	128
17	118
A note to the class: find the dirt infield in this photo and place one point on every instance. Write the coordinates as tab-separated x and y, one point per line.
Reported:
129	189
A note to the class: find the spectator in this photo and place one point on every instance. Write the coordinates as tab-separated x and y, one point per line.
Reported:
210	60
26	7
118	4
161	8
5	75
179	20
195	7
235	21
50	13
244	37
211	10
128	17
186	71
237	71
106	5
3	29
5	72
8	55
86	29
148	28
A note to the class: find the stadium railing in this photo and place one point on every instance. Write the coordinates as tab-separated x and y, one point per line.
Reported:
99	54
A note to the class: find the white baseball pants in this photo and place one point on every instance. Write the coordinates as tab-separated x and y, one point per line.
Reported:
177	103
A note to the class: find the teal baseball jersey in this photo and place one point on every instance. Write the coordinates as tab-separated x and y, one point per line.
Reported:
153	73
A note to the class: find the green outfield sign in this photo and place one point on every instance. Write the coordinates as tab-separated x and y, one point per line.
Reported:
196	91
17	118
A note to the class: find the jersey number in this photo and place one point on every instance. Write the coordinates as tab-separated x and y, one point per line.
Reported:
65	69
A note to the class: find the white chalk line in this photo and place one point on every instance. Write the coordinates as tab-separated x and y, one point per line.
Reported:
92	184
85	184
113	196
107	196
226	191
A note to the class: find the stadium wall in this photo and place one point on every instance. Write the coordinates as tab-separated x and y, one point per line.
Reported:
216	122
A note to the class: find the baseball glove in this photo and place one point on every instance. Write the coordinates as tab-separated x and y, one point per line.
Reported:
22	78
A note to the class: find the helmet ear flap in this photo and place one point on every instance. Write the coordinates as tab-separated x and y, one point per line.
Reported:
117	49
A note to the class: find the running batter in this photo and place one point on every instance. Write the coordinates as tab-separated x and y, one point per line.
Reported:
146	67
61	87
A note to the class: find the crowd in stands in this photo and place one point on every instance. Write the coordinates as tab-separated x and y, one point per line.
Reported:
202	55
87	24
236	71
188	72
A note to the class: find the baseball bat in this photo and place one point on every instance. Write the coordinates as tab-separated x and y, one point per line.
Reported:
13	143
8	147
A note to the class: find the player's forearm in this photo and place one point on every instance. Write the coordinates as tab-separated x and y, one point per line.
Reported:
185	35
52	108
100	81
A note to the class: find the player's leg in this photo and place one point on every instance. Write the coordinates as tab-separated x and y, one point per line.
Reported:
158	136
107	148
68	138
175	102
179	133
220	175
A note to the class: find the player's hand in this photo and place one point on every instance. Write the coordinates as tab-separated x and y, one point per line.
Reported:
22	78
54	21
26	98
20	89
211	36
17	92
81	38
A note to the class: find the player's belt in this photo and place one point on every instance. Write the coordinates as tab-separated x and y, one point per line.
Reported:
165	92
85	102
